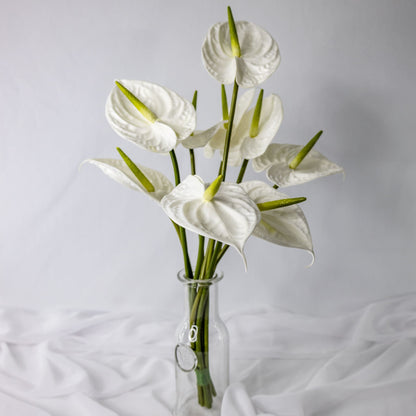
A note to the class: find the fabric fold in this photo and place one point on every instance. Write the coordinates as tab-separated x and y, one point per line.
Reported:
95	363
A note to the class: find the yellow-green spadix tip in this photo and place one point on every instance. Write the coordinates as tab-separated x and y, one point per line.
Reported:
144	111
304	151
195	99
212	189
279	203
141	177
235	44
254	128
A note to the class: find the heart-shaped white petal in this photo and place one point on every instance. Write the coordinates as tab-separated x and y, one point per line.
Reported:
259	58
217	56
175	116
230	217
116	169
285	226
276	160
243	104
201	138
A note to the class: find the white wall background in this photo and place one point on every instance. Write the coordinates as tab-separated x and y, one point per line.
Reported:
71	237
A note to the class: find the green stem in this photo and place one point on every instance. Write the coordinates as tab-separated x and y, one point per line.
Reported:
199	349
182	239
200	346
199	316
206	338
175	167
214	261
200	257
182	232
177	229
206	345
229	131
192	156
186	261
207	260
201	396
221	254
242	171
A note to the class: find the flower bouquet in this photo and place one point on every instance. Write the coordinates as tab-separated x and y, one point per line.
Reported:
221	211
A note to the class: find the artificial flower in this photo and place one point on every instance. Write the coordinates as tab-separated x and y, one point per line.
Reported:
259	54
168	118
285	226
116	169
276	159
242	145
230	216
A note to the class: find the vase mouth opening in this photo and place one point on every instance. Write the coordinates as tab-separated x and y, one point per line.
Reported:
218	275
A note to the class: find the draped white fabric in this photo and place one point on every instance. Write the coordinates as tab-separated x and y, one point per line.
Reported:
72	362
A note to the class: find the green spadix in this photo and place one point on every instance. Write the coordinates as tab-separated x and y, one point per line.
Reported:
212	189
137	172
254	129
304	151
144	111
235	44
279	203
224	106
224	103
195	99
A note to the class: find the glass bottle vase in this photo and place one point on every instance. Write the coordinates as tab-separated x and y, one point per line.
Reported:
202	350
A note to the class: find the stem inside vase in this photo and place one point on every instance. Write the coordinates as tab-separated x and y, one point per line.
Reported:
206	336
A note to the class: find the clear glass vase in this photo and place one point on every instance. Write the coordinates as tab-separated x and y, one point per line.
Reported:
202	350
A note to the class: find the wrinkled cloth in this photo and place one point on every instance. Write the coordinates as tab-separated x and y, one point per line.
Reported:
87	363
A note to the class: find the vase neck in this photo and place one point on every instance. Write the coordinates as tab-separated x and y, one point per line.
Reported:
198	288
192	291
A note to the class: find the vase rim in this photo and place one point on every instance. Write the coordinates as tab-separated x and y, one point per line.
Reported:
218	275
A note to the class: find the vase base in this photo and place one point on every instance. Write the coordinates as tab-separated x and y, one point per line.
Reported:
192	408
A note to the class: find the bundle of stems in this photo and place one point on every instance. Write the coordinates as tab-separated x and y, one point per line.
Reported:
207	261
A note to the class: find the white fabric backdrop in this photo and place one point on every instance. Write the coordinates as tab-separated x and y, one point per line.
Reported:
73	362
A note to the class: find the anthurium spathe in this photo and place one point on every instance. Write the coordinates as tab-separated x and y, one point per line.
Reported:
243	145
161	119
258	56
247	145
277	158
200	138
118	170
229	216
285	226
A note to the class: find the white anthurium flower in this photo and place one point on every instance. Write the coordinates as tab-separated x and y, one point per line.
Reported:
172	117
230	216
276	160
116	169
259	56
271	117
242	145
285	226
